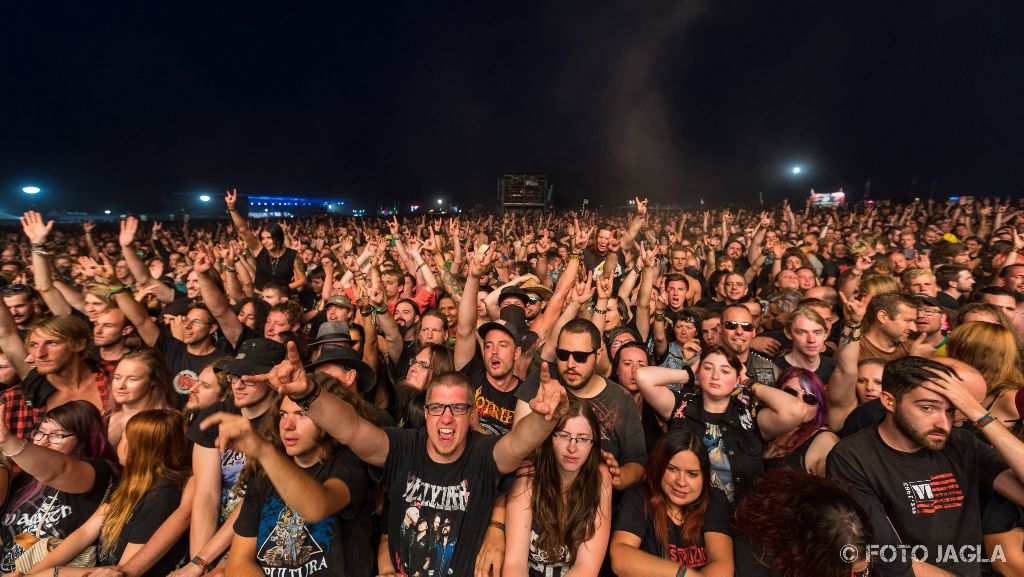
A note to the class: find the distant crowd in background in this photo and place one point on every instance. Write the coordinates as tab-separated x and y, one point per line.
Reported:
798	392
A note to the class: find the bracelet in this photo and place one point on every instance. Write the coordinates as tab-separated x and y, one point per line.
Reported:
597	311
681	572
56	571
659	317
307	400
229	268
24	445
201	563
497	525
381	309
367	311
852	327
40	251
421	265
984	421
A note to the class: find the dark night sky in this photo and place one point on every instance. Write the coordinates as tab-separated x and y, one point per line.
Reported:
134	102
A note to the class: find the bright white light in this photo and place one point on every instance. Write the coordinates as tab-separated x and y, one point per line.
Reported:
796	170
204	197
106	212
30	190
440	201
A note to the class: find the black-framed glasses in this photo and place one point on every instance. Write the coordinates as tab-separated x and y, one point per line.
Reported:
581	441
578	356
52	438
807	398
457	409
418	363
733	325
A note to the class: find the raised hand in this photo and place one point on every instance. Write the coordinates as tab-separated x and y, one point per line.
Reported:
230	197
854	309
202	263
375	295
641	206
583	291
393	225
35	229
288	377
551	400
235	432
88	227
604	287
480	260
129	227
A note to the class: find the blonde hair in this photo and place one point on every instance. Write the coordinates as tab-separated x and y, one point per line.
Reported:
70	328
878	284
992	349
157	453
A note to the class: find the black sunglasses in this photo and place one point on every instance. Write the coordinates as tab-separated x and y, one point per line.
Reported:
578	356
733	325
16	289
807	398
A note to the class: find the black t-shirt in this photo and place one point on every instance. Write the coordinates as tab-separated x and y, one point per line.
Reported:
51	513
594	262
438	513
824	370
287	544
931	497
864	415
183	365
231	462
495	408
155	507
400	366
632	517
622	433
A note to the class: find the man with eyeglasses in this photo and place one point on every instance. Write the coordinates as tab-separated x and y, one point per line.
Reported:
736	334
444	471
577	349
930	319
216	472
185	358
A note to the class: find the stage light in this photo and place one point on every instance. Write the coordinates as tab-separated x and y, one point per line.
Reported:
204	197
30	190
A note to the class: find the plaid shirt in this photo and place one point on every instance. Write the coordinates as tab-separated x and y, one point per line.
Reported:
26	402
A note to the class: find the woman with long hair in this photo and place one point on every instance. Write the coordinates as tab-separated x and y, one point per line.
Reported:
992	349
720	409
675	522
67	468
274	260
795	524
155	457
806	446
558	518
141	382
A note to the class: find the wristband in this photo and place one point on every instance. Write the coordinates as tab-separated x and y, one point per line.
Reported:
497	525
984	421
659	317
24	445
381	309
681	572
305	401
597	311
201	563
367	311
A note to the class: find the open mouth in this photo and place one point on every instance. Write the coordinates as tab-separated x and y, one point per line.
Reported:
446	435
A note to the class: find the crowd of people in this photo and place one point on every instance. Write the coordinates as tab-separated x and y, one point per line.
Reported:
823	392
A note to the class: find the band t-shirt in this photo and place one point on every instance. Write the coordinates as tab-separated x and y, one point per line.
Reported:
183	365
287	544
151	511
495	408
930	496
438	513
51	513
631	517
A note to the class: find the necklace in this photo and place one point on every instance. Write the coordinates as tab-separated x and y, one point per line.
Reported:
273	265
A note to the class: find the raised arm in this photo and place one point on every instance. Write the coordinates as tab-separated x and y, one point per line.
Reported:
36	231
548	407
465	329
652	383
49	467
137	315
305	495
241	224
635	225
139	270
386	323
216	300
333	415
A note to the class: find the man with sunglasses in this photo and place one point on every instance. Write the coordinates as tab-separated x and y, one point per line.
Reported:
736	334
444	471
577	350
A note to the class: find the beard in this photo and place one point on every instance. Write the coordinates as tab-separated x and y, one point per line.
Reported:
920	438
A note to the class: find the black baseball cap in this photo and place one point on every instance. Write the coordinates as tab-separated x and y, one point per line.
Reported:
256	357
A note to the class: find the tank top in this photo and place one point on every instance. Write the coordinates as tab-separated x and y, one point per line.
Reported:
274	269
796	459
